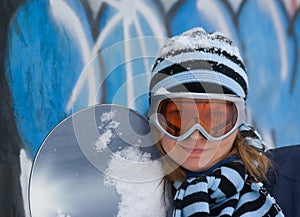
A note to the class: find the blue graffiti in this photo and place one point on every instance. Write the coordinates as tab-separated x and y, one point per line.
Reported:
62	57
43	63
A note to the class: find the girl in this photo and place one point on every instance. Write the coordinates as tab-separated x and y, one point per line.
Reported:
213	161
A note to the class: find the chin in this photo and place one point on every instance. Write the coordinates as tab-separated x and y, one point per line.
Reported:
196	165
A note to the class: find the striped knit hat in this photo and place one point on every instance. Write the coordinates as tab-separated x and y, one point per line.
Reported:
199	62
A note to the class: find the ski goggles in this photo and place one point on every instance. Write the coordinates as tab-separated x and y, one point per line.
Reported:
178	115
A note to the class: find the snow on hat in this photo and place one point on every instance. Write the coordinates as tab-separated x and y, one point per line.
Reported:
200	62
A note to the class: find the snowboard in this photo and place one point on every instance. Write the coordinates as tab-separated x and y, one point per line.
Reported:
100	161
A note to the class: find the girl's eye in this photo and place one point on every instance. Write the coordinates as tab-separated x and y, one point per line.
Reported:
218	114
175	112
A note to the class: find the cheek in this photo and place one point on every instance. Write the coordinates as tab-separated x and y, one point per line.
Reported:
227	144
174	151
167	144
222	150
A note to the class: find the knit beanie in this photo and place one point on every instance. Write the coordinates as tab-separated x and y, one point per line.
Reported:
199	62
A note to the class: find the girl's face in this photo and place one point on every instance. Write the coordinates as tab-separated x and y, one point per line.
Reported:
192	117
195	153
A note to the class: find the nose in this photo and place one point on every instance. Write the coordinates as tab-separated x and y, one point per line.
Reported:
197	135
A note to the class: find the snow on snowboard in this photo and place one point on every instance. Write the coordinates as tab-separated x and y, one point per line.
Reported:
100	161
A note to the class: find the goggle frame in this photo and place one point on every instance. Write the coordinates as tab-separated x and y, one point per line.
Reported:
157	99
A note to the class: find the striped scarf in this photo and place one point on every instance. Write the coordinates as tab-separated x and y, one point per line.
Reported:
227	191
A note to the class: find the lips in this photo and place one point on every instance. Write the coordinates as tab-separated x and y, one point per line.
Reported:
193	150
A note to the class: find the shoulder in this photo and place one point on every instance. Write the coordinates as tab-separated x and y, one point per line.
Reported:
256	199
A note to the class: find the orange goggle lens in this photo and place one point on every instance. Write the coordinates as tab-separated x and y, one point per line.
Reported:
178	115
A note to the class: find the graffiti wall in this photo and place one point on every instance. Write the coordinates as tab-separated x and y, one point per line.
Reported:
60	56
